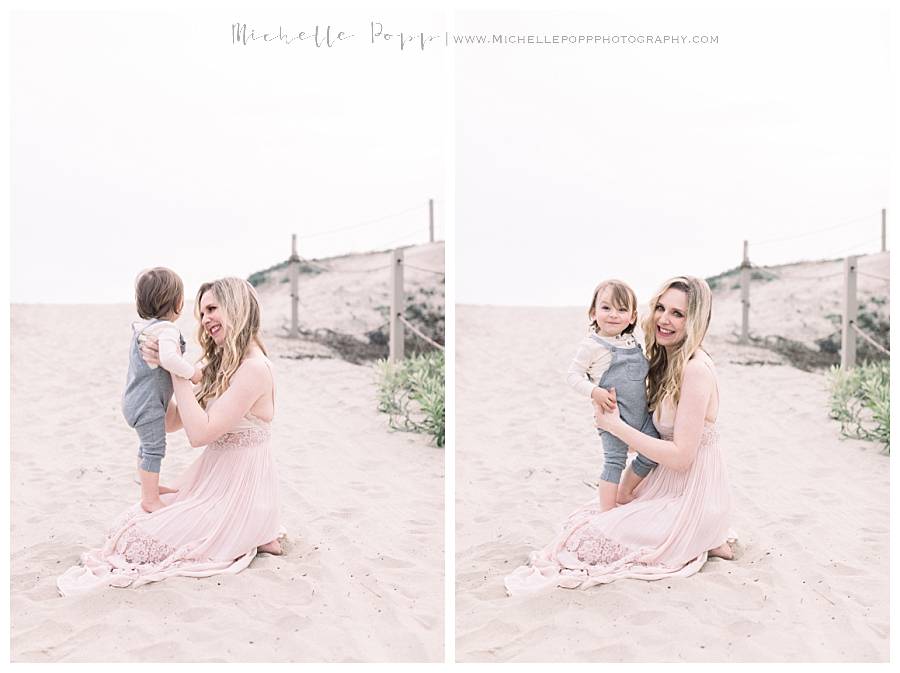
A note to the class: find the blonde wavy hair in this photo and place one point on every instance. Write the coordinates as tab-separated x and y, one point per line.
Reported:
667	368
239	306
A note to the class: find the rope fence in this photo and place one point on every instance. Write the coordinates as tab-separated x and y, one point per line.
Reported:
869	339
876	276
419	268
360	225
849	326
843	251
371	270
403	237
419	334
397	344
811	232
397	322
827	275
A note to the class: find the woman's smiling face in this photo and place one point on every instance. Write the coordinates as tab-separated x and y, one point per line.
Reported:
669	317
212	318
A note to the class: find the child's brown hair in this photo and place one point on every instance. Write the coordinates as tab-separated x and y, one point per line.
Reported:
158	292
622	296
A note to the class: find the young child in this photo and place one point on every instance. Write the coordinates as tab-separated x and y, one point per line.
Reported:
611	369
159	295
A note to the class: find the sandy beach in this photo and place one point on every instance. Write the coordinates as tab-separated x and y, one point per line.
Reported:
362	576
810	579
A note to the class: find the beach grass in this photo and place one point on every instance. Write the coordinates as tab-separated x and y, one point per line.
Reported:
411	392
861	401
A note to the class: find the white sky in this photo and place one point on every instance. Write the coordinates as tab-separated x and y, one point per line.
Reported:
643	162
148	138
144	139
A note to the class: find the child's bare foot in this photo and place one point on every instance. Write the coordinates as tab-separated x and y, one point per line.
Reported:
152	505
167	489
274	548
722	551
150	491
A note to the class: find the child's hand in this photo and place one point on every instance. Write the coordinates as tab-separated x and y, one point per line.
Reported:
198	375
605	399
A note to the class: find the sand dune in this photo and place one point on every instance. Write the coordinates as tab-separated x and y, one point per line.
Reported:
350	295
811	577
796	300
362	577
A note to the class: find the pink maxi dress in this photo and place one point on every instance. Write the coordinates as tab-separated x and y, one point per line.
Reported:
226	506
666	531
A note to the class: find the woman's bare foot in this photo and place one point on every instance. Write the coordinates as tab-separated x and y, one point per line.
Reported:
152	505
274	548
167	489
722	551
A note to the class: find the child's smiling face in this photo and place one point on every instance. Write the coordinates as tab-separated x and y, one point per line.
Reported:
611	318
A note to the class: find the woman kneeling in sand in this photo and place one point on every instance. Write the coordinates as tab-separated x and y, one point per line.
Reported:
226	507
678	516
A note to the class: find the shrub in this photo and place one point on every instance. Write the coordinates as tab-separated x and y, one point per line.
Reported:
861	401
258	278
411	392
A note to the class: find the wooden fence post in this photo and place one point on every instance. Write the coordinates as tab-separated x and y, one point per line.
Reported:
745	297
884	230
848	335
294	263
395	352
431	220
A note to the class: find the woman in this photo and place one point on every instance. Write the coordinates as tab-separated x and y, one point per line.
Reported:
678	515
226	506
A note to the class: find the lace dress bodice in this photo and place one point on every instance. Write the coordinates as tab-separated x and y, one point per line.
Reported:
250	430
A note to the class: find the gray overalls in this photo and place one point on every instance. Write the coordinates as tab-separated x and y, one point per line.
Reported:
147	394
627	373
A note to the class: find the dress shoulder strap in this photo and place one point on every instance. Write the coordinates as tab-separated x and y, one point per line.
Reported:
268	364
271	374
707	360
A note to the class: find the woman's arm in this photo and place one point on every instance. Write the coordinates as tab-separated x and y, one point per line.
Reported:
679	453
250	382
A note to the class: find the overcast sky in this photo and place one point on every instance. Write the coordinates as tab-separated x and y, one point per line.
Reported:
148	138
641	162
144	139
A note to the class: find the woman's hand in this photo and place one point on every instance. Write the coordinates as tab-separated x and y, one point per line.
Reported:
607	420
606	399
150	350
